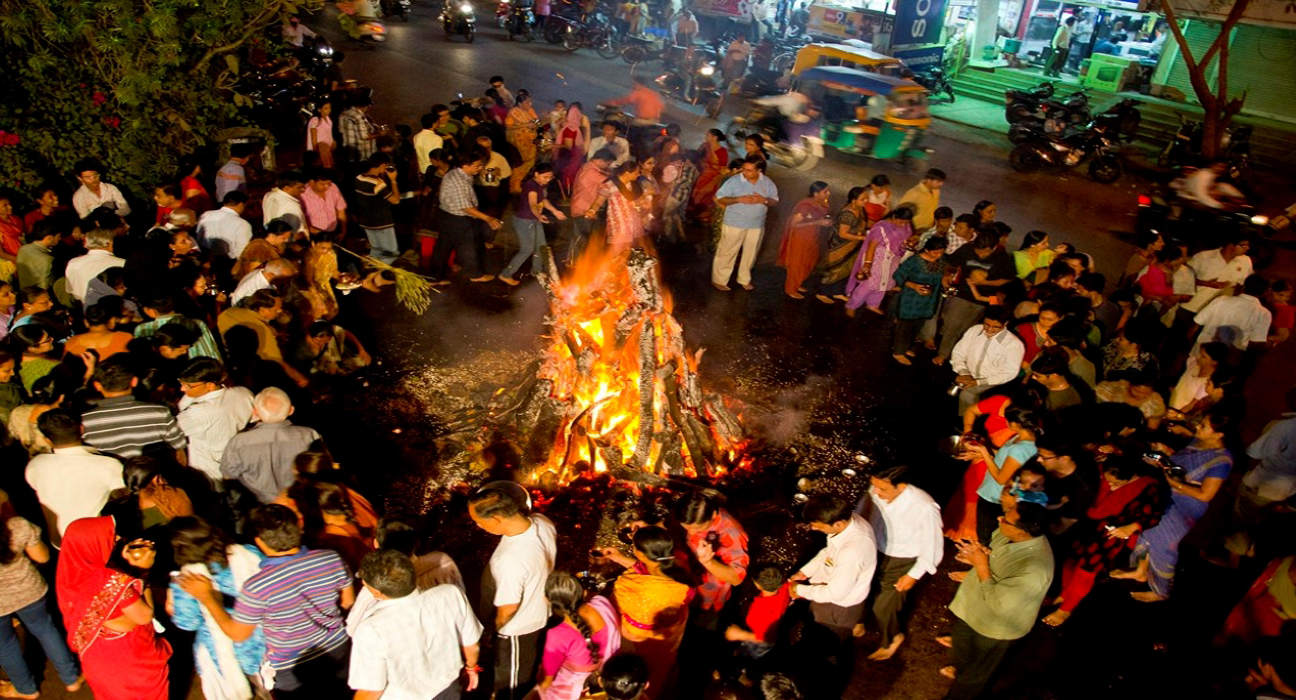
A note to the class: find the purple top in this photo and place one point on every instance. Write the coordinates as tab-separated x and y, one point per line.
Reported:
524	203
295	600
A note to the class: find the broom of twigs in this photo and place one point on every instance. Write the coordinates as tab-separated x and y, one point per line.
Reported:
413	291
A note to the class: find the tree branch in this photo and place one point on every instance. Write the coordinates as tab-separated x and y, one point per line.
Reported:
254	26
1221	42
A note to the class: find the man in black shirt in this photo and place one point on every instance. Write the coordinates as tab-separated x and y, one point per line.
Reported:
375	194
964	309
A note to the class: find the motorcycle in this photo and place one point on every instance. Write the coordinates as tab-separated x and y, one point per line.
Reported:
400	8
1068	151
595	34
1162	211
521	21
1235	147
1053	115
1030	96
1121	120
935	81
315	57
801	150
699	87
639	133
636	49
459	18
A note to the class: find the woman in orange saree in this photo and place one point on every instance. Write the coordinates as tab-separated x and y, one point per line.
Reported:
653	599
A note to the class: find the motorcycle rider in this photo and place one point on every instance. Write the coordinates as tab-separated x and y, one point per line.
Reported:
645	103
354	13
1202	187
781	109
518	16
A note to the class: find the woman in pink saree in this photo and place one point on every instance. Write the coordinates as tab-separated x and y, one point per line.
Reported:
878	259
578	646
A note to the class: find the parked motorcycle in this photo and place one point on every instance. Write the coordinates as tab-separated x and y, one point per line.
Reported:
458	18
1121	121
801	150
636	49
936	82
1055	115
1069	150
696	87
1030	96
521	20
595	34
1235	147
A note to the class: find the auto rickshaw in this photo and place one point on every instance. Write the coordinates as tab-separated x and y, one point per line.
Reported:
846	56
867	114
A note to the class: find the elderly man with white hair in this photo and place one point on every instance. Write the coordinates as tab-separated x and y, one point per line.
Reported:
261	457
99	257
263	277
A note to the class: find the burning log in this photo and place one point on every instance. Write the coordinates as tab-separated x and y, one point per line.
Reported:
597	402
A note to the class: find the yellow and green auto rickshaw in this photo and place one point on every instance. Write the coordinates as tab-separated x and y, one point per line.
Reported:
844	55
877	116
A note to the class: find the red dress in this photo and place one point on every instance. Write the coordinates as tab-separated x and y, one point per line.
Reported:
959	515
118	665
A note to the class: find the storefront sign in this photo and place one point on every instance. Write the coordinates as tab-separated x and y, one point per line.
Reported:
918	22
740	9
922	59
843	23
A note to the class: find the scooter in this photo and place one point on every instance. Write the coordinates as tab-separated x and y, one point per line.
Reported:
800	151
459	18
362	28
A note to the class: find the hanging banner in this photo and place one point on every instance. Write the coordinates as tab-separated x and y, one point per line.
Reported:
918	22
843	23
737	9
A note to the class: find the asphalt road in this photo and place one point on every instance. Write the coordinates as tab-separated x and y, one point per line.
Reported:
418	67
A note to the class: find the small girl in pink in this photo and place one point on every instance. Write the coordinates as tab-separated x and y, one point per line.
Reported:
578	645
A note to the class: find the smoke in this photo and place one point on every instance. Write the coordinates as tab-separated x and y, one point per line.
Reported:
784	416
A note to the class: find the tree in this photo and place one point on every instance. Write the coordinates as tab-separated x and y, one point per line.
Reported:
1218	106
134	83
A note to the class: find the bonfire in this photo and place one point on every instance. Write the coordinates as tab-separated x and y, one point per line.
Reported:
616	389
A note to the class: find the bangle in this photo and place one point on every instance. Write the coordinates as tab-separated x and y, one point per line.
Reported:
473	669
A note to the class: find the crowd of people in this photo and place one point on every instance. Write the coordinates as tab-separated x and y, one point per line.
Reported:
151	363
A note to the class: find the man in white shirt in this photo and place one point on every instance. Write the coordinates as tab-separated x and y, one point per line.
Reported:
907	525
224	231
98	257
263	277
986	356
837	580
284	202
426	141
517	571
210	414
615	144
1218	271
73	481
95	193
1239	320
412	645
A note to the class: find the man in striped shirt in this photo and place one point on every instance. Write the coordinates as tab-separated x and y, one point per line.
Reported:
298	598
122	425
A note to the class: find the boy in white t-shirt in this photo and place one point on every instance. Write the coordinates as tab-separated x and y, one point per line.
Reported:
515	583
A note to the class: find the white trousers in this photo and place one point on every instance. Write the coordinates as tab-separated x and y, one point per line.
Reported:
733	239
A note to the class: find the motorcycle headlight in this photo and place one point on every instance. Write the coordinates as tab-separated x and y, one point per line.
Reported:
465	8
707	70
1260	220
324	50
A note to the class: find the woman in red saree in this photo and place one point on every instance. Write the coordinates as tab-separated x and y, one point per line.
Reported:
1127	503
1267	606
803	239
959	515
714	160
109	614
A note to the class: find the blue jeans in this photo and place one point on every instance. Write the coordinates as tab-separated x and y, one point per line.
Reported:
530	233
39	624
382	243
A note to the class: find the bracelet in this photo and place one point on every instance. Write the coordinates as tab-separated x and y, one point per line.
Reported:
473	669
